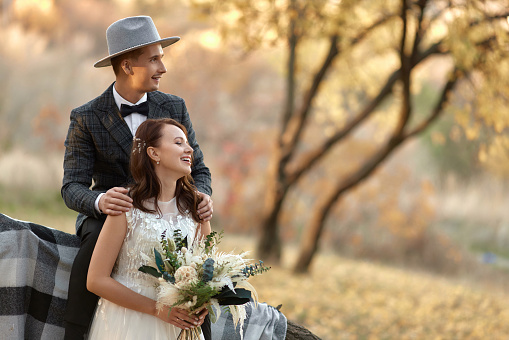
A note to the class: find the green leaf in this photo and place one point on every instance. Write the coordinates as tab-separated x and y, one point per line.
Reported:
228	297
208	270
169	278
212	314
159	261
150	270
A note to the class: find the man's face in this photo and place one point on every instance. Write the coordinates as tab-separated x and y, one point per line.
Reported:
148	69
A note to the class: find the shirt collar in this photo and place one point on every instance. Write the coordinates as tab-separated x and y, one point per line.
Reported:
119	100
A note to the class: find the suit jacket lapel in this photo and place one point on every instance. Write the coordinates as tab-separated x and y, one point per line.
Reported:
155	110
107	112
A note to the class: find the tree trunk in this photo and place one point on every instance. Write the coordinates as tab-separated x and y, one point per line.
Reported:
309	241
269	244
297	332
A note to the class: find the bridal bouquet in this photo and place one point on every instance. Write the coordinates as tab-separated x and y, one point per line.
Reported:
202	276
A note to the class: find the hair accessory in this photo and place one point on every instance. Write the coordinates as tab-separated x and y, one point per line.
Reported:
140	146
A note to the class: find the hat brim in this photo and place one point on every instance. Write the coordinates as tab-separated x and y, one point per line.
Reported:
164	43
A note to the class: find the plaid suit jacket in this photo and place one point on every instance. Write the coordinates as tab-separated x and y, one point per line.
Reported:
98	147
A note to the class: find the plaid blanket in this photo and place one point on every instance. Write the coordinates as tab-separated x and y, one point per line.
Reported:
35	264
262	322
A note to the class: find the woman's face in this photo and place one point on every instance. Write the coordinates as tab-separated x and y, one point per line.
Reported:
174	152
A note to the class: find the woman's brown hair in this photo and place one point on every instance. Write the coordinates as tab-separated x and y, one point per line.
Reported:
146	183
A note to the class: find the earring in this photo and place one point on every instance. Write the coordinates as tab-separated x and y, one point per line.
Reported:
157	162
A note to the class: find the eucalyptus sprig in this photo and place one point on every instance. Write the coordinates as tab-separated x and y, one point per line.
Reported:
212	239
180	241
257	268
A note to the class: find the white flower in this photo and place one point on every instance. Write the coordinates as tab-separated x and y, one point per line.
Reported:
192	303
186	274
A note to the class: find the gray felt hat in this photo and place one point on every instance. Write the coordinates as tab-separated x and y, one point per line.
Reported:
129	34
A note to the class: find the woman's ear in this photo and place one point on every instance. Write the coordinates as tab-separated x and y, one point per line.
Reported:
153	154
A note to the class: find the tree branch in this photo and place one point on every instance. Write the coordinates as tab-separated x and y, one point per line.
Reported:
419	32
406	69
502	16
313	157
364	171
293	40
318	153
453	79
302	116
364	33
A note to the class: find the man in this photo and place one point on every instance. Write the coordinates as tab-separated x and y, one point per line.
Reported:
98	146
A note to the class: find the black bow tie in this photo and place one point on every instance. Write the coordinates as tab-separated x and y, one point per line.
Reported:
126	110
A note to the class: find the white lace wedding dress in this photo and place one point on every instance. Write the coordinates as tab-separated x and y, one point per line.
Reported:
112	322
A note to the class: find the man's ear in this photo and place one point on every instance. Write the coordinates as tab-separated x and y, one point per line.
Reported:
153	154
126	66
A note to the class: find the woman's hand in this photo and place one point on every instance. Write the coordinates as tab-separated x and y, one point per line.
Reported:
180	318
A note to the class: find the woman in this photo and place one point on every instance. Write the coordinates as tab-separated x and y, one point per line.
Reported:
164	200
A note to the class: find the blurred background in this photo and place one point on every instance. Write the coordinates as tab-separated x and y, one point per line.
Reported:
359	147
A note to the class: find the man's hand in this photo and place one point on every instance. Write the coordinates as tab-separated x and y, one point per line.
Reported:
205	208
115	201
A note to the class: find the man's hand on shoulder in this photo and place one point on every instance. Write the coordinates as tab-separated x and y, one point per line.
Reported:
115	201
205	208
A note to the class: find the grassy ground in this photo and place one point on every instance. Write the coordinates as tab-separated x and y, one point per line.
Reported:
342	298
348	299
46	208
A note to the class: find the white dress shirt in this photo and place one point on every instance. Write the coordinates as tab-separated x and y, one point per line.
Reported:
133	120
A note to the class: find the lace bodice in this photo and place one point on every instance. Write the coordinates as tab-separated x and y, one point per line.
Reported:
143	235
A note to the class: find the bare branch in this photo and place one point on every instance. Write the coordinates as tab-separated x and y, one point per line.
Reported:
308	98
397	139
419	32
321	151
376	24
502	16
293	40
302	116
406	69
367	169
437	111
313	157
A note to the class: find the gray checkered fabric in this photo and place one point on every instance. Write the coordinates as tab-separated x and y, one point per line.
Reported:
262	322
35	265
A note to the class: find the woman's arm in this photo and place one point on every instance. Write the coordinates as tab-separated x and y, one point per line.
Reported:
100	282
203	230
